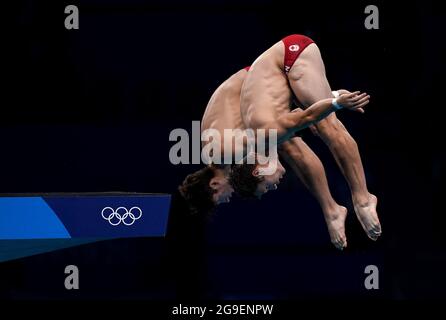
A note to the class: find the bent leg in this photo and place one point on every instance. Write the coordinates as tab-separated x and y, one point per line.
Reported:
310	170
346	153
309	83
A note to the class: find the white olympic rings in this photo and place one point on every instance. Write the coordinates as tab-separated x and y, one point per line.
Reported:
121	214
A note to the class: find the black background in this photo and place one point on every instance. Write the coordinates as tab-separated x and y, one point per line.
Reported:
91	110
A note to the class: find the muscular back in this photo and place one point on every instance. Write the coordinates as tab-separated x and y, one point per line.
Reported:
223	109
265	93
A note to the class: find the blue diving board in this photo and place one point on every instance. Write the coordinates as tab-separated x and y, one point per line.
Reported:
36	223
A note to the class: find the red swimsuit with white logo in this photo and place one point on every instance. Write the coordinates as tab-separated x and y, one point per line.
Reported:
294	45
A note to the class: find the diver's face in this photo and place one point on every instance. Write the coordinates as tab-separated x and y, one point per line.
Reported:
223	190
269	182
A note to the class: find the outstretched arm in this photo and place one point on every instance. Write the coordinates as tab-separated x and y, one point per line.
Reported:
288	124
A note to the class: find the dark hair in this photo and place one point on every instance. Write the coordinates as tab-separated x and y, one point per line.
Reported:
196	191
243	181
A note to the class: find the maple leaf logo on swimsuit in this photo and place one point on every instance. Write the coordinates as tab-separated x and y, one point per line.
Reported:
293	47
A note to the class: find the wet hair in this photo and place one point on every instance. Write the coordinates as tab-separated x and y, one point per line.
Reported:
243	181
196	191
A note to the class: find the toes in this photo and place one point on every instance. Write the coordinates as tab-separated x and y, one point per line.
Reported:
340	244
376	230
372	235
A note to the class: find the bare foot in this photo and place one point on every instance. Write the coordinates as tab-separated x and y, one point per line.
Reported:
336	226
368	217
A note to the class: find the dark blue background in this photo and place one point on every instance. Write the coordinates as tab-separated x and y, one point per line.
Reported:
91	110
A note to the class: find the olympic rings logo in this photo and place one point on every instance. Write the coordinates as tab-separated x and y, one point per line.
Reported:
127	217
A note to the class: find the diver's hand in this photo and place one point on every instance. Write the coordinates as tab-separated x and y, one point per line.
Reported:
354	101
